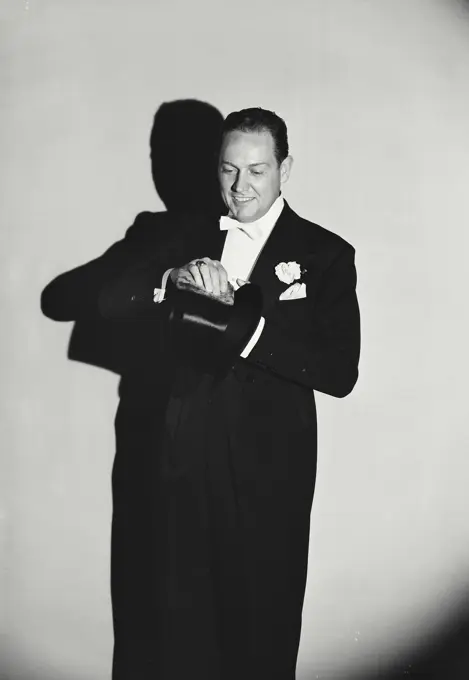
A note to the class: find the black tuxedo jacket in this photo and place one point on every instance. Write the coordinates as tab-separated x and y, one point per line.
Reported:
313	342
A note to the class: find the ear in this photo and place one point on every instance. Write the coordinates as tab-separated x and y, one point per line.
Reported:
285	169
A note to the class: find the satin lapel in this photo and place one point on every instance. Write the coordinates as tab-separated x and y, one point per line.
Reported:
213	239
281	246
203	238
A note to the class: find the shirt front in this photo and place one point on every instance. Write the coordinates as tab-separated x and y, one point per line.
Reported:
244	242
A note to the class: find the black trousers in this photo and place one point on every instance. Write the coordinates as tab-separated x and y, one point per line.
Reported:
212	494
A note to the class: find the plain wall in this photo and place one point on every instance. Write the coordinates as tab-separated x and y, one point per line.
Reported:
376	98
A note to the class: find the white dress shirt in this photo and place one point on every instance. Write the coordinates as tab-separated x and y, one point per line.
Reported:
244	242
243	245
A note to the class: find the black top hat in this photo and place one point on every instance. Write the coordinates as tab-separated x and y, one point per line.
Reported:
208	334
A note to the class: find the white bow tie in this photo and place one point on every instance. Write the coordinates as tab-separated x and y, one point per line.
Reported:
251	229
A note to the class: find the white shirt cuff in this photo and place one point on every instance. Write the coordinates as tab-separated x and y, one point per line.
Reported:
159	293
253	341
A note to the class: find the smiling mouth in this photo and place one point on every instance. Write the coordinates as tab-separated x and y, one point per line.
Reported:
241	199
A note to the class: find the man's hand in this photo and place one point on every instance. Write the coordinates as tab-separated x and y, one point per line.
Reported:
204	276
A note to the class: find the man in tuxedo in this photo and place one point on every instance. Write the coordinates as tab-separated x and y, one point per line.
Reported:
214	477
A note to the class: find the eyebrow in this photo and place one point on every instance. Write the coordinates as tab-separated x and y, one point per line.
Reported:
251	165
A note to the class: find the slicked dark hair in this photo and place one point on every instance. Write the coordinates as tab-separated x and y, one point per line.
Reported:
260	120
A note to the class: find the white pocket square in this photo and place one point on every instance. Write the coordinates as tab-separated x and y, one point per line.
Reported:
295	292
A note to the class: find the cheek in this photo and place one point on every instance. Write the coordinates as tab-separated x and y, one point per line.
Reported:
224	183
262	188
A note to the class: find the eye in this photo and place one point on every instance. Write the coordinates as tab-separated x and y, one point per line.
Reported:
227	171
257	172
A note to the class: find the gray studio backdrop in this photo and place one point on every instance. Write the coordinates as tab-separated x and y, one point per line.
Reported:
376	97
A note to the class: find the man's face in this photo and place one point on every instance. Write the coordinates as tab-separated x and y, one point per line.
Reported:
249	175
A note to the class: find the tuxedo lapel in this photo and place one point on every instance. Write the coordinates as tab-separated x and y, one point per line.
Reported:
281	246
213	239
218	243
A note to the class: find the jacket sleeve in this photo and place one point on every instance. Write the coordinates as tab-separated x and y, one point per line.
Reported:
326	357
90	290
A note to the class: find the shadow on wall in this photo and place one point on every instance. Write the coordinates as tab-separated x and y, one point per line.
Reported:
444	657
184	145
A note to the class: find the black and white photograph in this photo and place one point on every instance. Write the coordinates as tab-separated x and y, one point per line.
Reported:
234	344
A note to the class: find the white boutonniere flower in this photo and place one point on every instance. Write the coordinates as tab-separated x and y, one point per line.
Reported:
289	273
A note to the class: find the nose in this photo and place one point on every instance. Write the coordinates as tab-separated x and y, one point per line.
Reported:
240	184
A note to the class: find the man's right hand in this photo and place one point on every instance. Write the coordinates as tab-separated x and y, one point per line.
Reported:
205	276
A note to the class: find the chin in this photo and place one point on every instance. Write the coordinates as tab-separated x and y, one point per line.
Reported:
245	214
247	218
